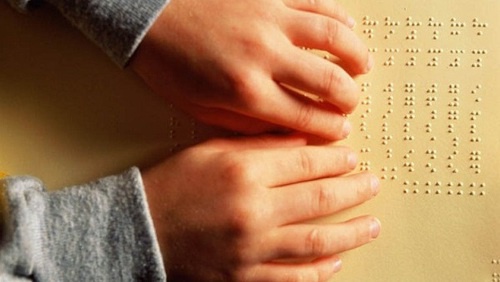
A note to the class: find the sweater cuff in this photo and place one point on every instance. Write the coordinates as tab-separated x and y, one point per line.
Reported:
117	26
101	230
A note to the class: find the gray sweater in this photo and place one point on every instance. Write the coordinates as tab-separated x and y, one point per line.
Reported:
117	26
101	231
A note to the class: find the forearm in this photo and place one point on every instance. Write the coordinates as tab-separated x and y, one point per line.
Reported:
99	231
117	26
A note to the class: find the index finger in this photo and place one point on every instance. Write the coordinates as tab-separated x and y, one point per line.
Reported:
281	167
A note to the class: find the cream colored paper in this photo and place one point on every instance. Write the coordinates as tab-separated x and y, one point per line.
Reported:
428	125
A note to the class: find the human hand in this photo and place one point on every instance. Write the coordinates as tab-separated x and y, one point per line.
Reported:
234	64
235	210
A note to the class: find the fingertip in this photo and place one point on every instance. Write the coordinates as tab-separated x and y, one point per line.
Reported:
346	129
352	160
337	265
375	227
374	184
351	22
370	63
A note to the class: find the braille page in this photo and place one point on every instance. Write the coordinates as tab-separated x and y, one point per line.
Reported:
429	126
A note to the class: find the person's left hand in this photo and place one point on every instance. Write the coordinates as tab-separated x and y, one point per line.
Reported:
234	64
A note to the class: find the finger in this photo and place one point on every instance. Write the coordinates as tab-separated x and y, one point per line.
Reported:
288	109
318	270
303	201
330	35
306	241
259	142
324	7
232	120
287	166
317	76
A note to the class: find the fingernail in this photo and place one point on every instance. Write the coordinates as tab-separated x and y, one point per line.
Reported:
337	265
346	128
375	185
370	63
351	22
374	228
352	160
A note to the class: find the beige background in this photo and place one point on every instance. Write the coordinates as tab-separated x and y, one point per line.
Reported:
427	125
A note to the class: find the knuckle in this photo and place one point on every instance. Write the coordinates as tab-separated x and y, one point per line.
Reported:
336	82
305	116
325	200
306	162
332	30
244	85
246	217
237	170
331	80
242	221
316	244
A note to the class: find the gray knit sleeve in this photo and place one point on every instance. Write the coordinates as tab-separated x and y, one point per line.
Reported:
101	231
117	26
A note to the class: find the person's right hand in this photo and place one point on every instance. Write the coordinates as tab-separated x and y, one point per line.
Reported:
236	210
234	63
